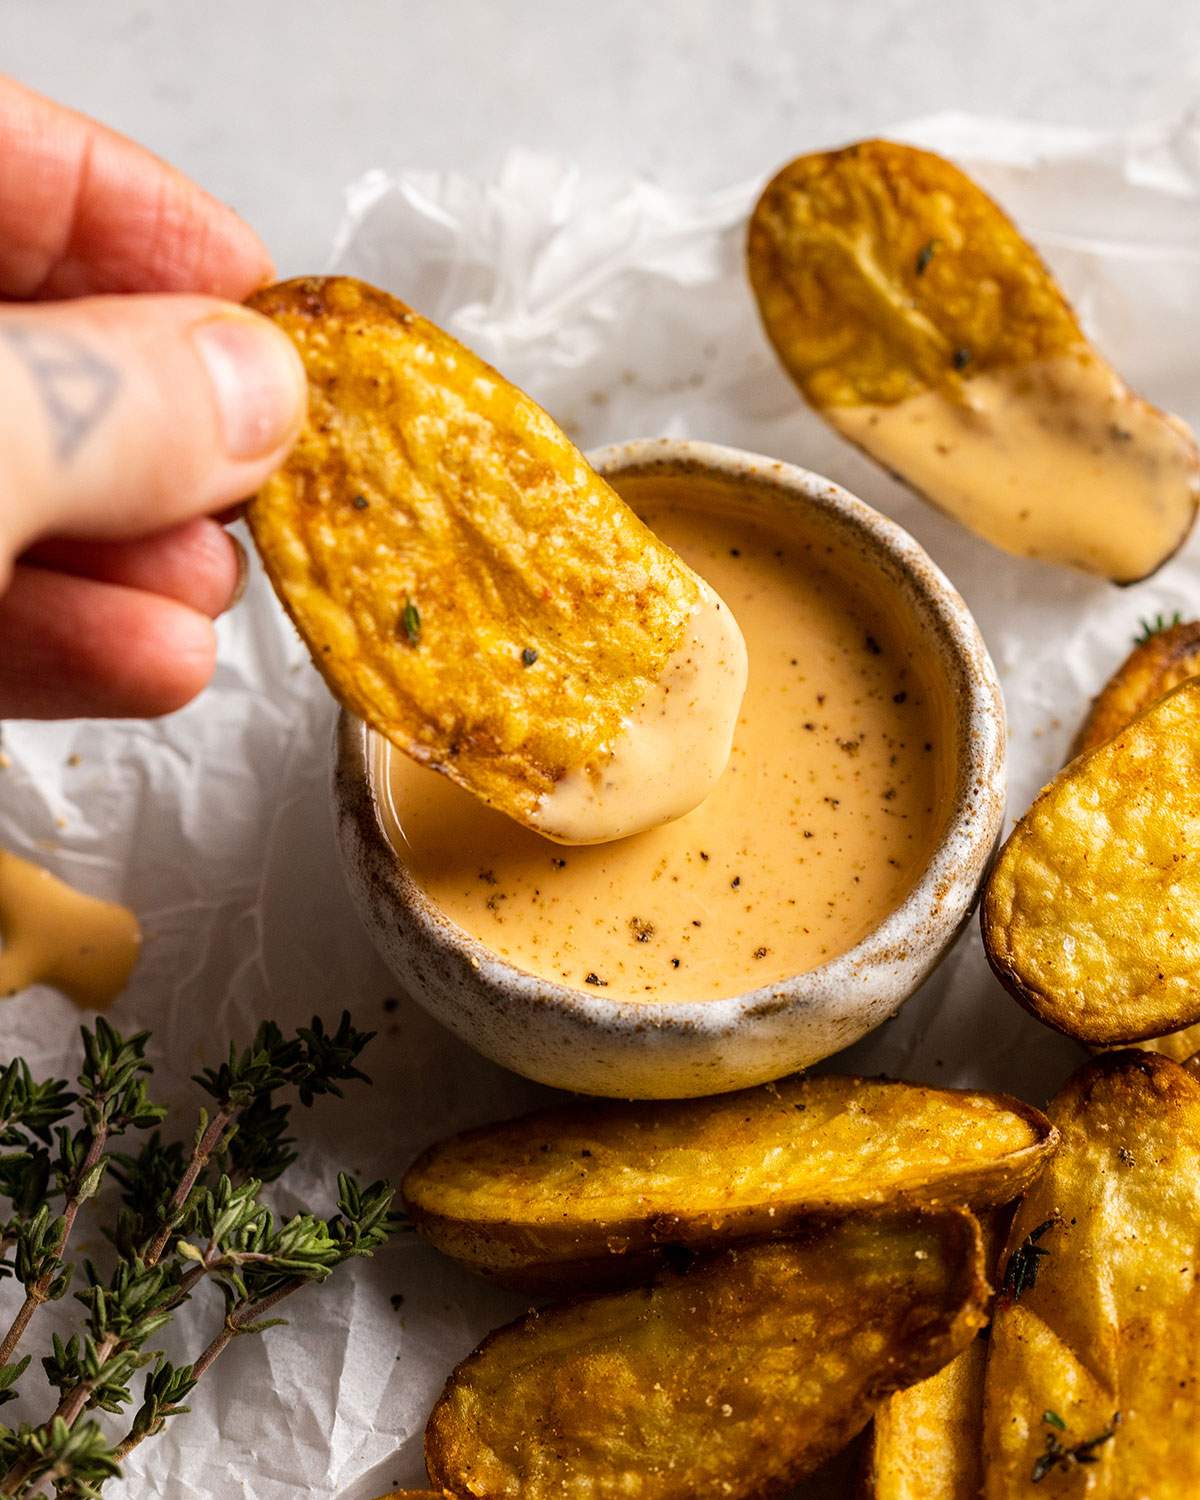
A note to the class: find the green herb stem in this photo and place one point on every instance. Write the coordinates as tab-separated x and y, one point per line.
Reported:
36	1293
188	1213
201	1155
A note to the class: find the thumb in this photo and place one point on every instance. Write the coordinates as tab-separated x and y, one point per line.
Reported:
122	416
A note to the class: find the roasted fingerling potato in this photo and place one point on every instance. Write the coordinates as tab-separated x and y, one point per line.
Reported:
465	582
736	1379
595	1192
1091	914
926	1441
1094	1360
1161	660
1165	655
916	319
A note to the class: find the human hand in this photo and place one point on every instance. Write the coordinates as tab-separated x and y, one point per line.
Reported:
126	421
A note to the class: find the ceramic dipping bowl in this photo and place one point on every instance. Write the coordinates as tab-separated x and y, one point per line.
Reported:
579	1040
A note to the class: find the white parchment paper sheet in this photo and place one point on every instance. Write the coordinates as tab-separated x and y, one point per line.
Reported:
624	309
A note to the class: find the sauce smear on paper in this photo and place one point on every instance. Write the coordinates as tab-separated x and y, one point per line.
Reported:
51	933
832	803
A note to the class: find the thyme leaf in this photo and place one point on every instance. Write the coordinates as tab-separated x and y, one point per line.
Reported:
410	622
1021	1272
925	254
1058	1456
1156	626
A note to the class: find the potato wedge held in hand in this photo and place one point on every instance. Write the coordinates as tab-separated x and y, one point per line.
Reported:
737	1379
1091	916
1160	662
1091	1384
590	1193
926	1441
916	319
474	591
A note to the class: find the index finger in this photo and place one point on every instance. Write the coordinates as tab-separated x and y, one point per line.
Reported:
83	210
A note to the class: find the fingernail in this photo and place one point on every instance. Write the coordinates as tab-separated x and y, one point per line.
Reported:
257	379
243	572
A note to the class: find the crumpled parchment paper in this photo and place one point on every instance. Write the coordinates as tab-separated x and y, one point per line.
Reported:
623	308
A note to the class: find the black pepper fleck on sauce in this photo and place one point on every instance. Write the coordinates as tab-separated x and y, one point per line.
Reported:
961	359
360	502
528	656
873	646
594	978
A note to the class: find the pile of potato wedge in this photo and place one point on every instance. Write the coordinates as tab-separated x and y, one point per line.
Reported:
1007	1301
821	1259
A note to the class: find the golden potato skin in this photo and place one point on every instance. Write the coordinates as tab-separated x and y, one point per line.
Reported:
736	1379
1154	666
589	1193
857	304
1091	916
926	1441
1112	1322
430	526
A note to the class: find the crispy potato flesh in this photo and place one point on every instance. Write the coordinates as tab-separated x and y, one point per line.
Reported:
1157	664
926	1440
1091	916
588	1192
915	318
1111	1323
466	583
736	1379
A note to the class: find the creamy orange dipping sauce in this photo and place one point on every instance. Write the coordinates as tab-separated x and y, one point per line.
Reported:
1056	460
833	801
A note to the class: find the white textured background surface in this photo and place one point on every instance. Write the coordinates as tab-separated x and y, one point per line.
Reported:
277	106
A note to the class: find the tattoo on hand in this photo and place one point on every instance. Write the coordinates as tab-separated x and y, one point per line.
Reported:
76	385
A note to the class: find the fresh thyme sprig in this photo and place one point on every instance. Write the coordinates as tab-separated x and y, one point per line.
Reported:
112	1098
187	1214
1156	626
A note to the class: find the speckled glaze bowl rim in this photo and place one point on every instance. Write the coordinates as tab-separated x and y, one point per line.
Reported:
981	748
